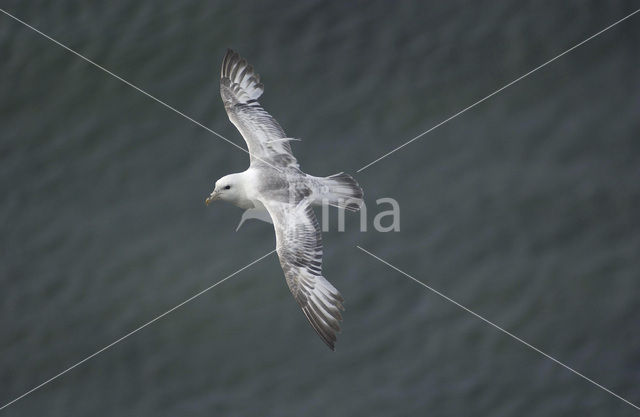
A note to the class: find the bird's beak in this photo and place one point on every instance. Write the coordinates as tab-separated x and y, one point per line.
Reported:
214	196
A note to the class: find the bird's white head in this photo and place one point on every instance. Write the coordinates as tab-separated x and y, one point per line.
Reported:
228	188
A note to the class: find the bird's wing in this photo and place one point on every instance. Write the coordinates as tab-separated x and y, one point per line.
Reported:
240	89
299	246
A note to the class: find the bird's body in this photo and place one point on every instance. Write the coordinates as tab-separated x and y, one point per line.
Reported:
275	186
289	185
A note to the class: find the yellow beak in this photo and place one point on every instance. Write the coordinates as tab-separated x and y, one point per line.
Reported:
214	196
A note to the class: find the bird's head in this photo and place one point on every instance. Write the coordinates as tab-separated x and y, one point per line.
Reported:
226	188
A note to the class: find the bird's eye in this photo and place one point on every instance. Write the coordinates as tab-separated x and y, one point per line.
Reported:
227	187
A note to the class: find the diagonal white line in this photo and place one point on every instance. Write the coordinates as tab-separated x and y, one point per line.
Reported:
498	90
499	328
134	331
135	87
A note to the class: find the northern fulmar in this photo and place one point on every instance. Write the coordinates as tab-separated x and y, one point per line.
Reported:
274	189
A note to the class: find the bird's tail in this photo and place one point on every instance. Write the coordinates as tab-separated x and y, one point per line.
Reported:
342	191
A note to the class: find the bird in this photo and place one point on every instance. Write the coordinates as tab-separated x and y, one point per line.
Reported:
276	190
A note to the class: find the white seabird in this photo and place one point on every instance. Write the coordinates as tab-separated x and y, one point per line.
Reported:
274	188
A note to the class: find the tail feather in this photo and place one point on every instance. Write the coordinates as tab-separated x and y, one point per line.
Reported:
342	191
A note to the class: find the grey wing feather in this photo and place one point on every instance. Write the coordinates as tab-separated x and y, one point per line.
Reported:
240	89
299	247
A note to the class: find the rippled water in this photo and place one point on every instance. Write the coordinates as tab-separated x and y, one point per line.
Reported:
524	209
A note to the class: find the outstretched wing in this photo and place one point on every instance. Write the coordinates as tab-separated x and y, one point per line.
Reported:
240	89
299	246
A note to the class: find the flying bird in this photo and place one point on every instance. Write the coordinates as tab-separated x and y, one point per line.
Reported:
274	189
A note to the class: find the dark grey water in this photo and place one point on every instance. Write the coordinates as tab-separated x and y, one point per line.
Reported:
525	209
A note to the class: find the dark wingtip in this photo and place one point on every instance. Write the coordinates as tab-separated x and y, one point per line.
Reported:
228	58
229	54
327	335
